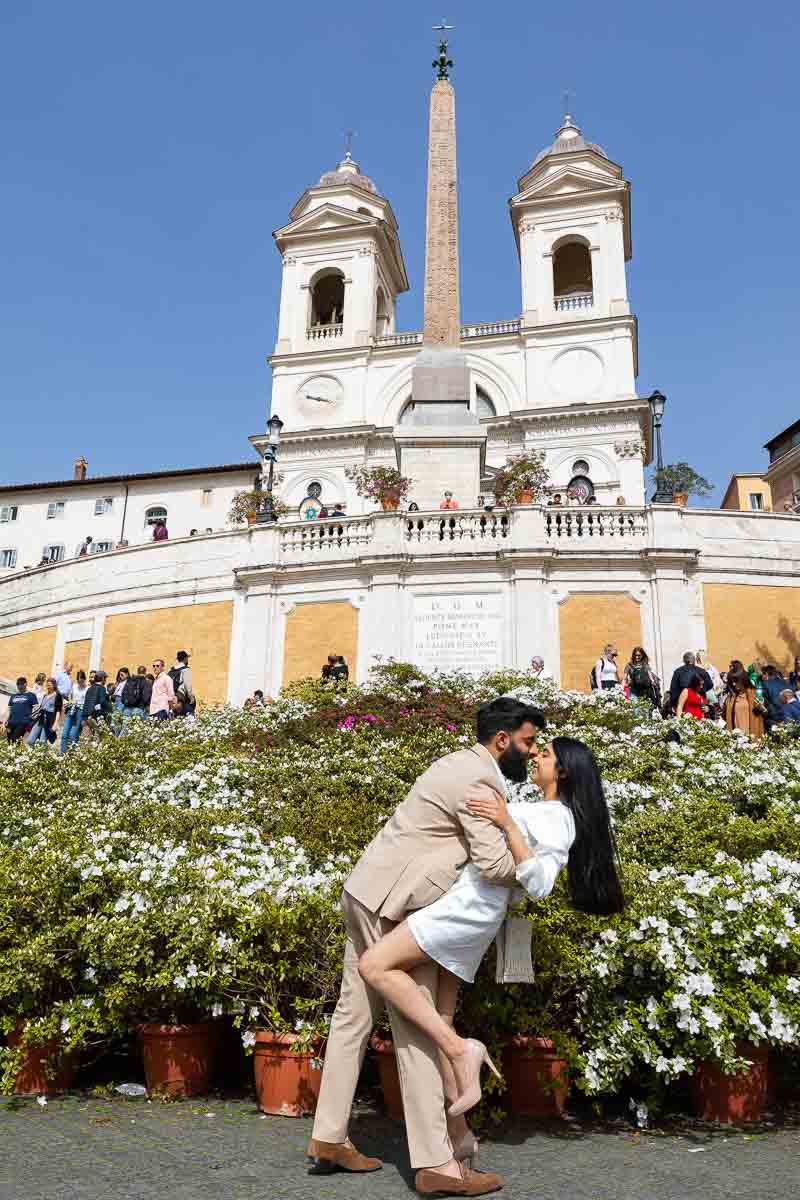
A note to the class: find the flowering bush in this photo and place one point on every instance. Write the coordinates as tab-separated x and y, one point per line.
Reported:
522	473
379	483
193	868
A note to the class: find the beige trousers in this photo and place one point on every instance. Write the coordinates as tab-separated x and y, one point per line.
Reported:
356	1014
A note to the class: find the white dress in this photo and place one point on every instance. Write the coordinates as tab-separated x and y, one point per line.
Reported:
457	930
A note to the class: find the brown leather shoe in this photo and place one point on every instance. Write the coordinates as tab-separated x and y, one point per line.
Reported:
327	1157
472	1183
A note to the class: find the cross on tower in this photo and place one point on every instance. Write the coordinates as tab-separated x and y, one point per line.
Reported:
442	64
567	94
348	143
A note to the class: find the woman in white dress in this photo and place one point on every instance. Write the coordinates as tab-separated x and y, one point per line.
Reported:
569	827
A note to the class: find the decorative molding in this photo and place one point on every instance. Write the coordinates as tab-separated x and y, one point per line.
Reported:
289	260
527	226
614	214
366	251
630	448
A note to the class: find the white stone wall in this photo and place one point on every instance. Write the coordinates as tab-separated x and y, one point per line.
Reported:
192	502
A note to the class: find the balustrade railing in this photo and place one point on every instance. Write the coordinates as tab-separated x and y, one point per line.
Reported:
322	332
399	339
462	527
569	303
319	538
595	523
487	328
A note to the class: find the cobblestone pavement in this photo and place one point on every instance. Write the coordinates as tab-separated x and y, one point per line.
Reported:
113	1149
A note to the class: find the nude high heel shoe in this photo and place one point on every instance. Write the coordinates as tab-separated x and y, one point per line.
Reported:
476	1055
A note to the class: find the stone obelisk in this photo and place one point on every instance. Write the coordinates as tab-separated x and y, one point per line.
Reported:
444	446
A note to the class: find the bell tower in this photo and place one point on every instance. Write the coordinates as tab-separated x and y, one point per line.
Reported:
572	223
342	265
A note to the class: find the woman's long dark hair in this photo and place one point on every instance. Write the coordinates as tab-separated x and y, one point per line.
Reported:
594	885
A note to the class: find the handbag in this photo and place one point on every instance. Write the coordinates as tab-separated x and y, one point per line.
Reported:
513	943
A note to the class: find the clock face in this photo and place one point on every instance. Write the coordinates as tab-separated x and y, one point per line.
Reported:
320	399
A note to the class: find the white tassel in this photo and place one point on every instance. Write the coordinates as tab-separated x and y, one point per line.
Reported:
513	942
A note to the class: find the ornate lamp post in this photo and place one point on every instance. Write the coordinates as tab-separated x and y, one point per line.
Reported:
657	404
266	511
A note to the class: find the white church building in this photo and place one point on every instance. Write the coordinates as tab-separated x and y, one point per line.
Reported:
260	605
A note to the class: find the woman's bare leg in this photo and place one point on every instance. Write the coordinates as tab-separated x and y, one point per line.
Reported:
385	968
446	1000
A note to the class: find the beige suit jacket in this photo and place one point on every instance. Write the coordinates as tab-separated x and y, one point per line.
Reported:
419	852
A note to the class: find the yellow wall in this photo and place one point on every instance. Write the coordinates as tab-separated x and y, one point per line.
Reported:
204	630
739	490
78	654
587	621
749	621
313	631
27	653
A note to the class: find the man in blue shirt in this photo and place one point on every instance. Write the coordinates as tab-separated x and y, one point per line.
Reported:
20	711
64	680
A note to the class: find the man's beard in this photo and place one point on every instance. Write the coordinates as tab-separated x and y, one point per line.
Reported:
514	764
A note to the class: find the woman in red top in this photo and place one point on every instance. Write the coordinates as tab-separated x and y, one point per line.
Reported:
692	699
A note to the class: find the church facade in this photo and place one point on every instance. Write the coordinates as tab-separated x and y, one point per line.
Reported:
260	605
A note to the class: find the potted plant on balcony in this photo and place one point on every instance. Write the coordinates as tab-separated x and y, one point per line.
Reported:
244	505
523	479
684	482
384	484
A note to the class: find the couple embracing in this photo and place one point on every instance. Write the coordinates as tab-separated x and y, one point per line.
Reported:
422	906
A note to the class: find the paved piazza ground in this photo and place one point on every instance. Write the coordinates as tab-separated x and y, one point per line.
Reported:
222	1149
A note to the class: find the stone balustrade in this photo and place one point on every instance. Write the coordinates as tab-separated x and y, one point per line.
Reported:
481	329
572	303
316	333
462	528
324	539
599	524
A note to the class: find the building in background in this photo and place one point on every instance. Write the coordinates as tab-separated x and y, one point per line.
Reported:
261	605
783	472
748	493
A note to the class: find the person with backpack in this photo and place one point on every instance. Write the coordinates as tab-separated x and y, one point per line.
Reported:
181	676
136	696
96	702
50	706
162	697
605	674
641	681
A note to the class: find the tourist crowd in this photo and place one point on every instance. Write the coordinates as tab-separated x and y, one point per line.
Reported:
82	703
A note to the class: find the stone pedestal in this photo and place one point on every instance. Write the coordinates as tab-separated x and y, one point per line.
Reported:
440	460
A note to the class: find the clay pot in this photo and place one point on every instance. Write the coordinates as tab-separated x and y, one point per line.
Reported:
250	518
525	496
287	1084
45	1071
732	1099
680	498
389	1077
538	1077
390	503
179	1059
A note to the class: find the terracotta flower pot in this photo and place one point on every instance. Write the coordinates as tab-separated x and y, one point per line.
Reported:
390	503
680	498
389	1077
250	518
179	1059
45	1071
732	1099
525	496
287	1084
538	1077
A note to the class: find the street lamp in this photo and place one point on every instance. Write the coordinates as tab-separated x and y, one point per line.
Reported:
266	511
657	404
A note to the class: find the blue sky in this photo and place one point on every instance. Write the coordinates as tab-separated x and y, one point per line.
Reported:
150	150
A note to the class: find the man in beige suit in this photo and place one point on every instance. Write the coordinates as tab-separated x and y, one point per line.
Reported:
412	861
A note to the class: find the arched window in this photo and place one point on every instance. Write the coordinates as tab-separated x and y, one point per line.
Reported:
156	513
484	406
381	313
327	300
572	275
580	467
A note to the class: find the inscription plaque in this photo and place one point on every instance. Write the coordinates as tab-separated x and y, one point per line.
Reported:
458	633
